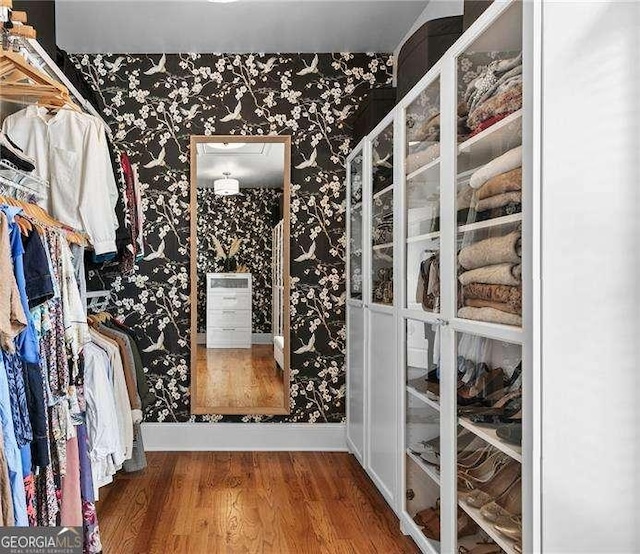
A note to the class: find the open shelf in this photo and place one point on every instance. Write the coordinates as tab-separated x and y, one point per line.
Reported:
424	398
488	434
496	222
424	169
430	470
382	246
427	236
503	542
382	192
493	141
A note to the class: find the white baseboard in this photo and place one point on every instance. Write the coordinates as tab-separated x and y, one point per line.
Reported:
256	338
319	437
262	338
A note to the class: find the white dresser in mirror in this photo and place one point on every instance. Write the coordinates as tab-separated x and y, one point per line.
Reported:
228	310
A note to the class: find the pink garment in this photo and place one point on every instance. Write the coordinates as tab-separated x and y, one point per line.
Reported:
71	504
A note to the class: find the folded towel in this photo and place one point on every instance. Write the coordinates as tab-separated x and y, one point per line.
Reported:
500	306
505	102
505	182
495	250
506	294
506	162
499	200
490	315
422	157
500	274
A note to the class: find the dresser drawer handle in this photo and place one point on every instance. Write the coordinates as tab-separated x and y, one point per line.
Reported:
228	329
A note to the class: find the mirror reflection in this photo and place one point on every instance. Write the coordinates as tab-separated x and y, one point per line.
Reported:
241	297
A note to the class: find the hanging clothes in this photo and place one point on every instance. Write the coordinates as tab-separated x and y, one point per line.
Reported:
70	150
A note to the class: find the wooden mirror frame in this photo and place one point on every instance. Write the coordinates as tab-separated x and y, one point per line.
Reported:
232	410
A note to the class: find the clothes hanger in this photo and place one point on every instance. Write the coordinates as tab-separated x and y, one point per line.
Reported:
15	69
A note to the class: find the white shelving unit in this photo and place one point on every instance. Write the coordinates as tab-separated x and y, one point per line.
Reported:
435	337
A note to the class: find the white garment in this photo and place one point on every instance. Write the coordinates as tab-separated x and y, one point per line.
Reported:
76	330
508	161
121	397
102	421
71	152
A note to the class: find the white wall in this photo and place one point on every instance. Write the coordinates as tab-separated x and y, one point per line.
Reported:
590	272
435	10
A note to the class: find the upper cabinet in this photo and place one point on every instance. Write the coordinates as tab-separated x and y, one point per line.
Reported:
382	215
422	199
356	180
489	87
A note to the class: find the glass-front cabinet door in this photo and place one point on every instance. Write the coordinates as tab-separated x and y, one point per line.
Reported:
422	200
490	373
466	470
356	227
382	229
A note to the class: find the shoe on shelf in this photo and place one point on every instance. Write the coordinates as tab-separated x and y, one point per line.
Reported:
486	493
474	458
431	445
511	410
476	477
481	548
506	505
511	433
429	520
11	152
466	526
510	528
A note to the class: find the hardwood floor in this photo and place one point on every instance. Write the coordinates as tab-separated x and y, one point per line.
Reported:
248	502
239	377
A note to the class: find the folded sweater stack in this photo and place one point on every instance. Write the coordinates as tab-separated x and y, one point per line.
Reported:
426	137
497	186
491	281
494	94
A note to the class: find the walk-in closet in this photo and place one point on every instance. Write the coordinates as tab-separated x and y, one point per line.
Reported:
319	277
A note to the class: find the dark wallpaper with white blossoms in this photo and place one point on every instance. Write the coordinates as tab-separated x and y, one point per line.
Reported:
153	104
250	218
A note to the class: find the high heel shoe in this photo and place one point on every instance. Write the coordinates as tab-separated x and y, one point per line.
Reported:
507	505
474	478
487	492
472	459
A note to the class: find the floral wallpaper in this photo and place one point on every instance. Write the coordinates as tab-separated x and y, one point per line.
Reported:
249	217
153	104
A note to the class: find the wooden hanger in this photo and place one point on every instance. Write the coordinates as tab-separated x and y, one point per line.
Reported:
20	82
35	214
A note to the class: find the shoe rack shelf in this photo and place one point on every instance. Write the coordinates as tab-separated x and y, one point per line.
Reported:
431	471
421	334
423	398
488	434
508	546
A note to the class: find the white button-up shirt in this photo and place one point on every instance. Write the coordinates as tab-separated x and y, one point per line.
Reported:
71	152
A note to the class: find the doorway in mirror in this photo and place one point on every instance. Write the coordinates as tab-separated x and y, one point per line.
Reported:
240	274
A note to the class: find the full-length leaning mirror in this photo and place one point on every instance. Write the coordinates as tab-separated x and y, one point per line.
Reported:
240	274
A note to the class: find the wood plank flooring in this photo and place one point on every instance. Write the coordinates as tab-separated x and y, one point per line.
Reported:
248	502
239	377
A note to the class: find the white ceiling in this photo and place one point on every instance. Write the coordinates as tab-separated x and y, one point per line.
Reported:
152	26
255	165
